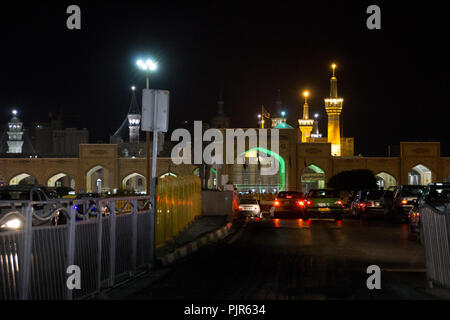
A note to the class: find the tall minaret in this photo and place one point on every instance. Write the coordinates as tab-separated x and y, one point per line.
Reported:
15	133
134	118
305	124
333	107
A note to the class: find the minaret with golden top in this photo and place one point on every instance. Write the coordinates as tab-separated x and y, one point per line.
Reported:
333	107
305	124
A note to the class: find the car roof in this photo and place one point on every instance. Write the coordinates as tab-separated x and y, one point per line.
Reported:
18	188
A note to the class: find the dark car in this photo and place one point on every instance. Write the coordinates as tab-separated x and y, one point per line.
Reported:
11	201
288	204
323	203
435	194
367	203
402	202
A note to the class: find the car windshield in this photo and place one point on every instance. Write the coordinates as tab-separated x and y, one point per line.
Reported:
374	194
289	195
440	195
14	195
412	191
323	194
248	201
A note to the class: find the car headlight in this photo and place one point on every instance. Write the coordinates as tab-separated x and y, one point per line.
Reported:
15	223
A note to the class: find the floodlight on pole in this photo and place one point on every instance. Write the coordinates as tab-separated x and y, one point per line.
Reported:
133	88
283	113
14	112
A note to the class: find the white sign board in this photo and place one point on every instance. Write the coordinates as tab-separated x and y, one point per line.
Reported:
150	99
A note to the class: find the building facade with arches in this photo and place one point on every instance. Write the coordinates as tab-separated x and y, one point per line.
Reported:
303	166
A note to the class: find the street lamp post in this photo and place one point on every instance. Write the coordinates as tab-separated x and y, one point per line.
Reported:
147	66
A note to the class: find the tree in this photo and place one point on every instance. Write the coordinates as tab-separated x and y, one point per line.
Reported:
353	180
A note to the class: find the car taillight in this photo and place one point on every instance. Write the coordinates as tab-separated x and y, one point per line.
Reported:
309	203
368	204
276	203
240	207
404	201
339	202
300	203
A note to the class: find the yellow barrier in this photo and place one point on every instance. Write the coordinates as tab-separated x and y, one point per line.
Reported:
178	202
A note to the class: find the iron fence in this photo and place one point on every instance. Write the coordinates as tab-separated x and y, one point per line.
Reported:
108	244
435	233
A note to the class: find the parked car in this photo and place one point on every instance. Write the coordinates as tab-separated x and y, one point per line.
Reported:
436	195
11	198
323	203
367	203
288	204
402	202
249	208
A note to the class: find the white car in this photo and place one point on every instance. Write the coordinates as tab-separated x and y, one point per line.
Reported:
249	208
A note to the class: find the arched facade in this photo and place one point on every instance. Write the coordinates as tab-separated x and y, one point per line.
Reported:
22	178
313	177
135	181
385	180
61	180
420	174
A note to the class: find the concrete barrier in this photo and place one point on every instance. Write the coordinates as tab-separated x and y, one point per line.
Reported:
218	203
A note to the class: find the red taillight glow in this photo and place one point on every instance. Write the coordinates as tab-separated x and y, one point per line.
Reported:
240	207
300	203
309	203
276	203
339	202
404	202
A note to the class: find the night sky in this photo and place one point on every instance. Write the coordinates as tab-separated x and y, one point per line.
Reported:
394	81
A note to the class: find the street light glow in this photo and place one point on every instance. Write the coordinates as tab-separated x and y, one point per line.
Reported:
306	93
283	113
133	88
148	64
14	112
333	65
259	116
316	115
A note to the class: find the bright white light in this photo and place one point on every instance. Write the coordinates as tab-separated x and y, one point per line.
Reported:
316	115
283	113
133	88
14	112
259	116
12	224
151	65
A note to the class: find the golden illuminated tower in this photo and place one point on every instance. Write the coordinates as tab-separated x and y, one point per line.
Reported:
333	107
305	124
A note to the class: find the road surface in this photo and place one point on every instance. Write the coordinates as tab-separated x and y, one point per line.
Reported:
293	259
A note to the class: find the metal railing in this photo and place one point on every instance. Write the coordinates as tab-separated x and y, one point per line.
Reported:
108	244
435	233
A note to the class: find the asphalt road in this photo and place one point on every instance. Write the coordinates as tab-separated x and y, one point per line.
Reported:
294	259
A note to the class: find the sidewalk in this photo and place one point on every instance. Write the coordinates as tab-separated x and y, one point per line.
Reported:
198	228
201	231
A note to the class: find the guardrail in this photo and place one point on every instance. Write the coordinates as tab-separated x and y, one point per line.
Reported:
105	242
435	233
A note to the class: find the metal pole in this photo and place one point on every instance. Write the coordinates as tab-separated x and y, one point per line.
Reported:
147	154
71	229
25	253
153	183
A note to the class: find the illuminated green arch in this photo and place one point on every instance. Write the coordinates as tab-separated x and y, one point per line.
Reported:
212	169
278	158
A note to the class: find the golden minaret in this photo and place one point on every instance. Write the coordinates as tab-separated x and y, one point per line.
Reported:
333	107
306	124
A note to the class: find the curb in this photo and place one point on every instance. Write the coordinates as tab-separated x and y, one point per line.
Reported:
193	246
